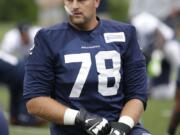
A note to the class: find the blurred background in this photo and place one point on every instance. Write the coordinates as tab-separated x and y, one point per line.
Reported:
158	32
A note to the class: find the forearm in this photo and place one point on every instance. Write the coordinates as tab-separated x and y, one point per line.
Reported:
128	118
134	109
47	108
53	111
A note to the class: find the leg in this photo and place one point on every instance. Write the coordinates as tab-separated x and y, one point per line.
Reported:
175	119
9	77
3	125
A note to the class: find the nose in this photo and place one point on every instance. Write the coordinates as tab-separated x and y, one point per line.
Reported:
75	4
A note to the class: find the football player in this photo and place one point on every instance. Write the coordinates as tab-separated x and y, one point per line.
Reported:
12	74
160	46
14	49
88	75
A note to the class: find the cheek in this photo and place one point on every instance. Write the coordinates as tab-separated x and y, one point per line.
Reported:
89	12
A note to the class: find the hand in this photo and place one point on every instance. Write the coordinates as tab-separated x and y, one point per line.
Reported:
118	128
93	124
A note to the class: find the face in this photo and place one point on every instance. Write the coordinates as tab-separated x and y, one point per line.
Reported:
25	38
83	11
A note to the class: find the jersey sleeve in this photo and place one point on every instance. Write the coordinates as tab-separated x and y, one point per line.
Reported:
134	68
39	75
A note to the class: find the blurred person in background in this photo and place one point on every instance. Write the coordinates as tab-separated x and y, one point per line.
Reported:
173	19
137	7
10	77
50	12
19	40
15	46
169	13
175	118
162	51
4	129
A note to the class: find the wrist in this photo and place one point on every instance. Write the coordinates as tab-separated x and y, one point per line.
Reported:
127	120
70	116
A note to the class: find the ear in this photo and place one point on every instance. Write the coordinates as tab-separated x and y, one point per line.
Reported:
97	3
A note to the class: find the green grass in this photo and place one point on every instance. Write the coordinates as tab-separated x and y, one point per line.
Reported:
4	98
157	115
18	130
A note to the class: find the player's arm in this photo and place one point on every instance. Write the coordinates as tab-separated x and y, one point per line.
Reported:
129	116
135	85
133	109
51	110
47	108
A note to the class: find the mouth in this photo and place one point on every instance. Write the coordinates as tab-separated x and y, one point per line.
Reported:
77	14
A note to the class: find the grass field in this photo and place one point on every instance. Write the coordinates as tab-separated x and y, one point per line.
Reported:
155	119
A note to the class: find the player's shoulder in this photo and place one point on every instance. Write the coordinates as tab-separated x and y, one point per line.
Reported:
61	27
52	36
53	31
117	25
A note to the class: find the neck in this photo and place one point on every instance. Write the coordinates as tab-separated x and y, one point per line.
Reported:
86	26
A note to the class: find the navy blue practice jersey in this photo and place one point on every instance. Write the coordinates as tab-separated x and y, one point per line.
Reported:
99	70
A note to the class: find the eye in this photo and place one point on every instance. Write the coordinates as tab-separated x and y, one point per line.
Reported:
82	0
69	0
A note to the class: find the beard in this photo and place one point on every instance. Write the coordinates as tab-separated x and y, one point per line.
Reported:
80	21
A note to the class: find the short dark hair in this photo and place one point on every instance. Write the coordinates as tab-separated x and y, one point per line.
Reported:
23	26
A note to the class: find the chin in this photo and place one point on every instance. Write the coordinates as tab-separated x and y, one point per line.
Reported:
78	22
